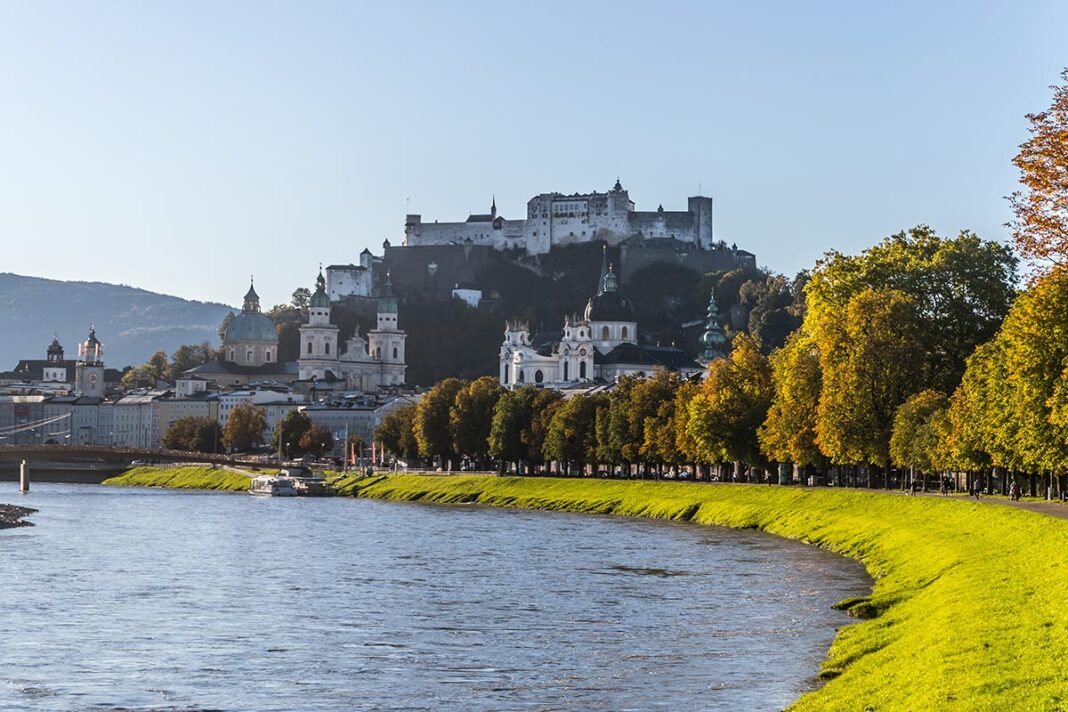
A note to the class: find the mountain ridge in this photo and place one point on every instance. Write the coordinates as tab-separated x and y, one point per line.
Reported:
132	322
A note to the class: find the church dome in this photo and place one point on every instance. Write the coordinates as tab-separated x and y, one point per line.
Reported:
320	299
250	326
609	304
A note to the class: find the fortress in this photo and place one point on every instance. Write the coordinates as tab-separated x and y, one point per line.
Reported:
557	219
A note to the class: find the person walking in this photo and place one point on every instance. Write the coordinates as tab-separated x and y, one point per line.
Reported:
1014	491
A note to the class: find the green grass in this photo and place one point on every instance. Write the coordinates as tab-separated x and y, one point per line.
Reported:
967	611
192	477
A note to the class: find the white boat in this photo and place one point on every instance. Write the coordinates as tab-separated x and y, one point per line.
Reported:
272	486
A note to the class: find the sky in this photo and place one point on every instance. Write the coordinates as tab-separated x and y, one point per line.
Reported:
182	147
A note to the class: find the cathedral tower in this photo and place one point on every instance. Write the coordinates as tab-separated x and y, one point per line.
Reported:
89	369
386	343
318	338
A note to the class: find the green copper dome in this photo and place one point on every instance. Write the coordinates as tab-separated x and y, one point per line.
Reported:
251	326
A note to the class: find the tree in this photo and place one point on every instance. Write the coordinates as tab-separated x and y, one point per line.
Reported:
471	417
572	437
871	363
301	298
1040	227
190	356
789	432
317	440
155	369
195	434
433	428
652	406
543	407
396	434
616	440
961	289
732	403
511	415
919	427
244	428
290	432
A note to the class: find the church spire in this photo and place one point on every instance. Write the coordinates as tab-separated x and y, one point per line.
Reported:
252	300
493	208
713	340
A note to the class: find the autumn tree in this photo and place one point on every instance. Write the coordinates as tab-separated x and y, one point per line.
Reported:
920	424
471	417
731	405
788	434
1040	226
572	435
157	368
196	434
871	363
245	427
433	427
542	410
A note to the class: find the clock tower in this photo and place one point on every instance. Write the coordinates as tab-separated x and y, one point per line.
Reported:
89	369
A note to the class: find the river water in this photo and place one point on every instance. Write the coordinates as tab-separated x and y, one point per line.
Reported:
139	599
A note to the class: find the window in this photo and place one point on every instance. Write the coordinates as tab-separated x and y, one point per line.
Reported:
233	355
378	352
507	372
309	347
624	333
268	354
604	332
248	356
539	376
565	370
522	376
395	352
327	346
582	369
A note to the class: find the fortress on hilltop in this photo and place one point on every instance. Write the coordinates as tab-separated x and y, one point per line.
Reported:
557	219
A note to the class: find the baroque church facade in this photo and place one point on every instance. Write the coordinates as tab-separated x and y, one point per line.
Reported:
366	364
600	345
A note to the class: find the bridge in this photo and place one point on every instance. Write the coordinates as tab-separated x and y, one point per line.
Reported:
95	463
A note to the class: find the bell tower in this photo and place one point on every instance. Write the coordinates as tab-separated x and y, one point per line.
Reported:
89	369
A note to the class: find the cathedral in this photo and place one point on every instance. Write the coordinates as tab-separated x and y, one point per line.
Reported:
602	345
366	364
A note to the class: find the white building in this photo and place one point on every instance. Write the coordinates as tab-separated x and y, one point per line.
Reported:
364	364
558	219
601	344
351	280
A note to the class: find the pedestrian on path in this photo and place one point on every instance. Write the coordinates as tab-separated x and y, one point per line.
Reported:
1014	491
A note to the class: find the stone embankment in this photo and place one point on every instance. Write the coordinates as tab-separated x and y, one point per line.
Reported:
12	516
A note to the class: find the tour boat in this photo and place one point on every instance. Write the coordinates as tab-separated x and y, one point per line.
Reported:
273	486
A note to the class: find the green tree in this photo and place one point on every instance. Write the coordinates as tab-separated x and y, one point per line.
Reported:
871	363
433	427
190	356
572	435
290	432
396	432
157	368
301	298
471	417
511	416
195	434
244	428
317	440
652	405
919	427
543	407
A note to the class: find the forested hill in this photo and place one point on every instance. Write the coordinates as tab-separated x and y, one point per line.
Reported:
132	323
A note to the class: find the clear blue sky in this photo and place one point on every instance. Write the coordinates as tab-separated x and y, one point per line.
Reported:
180	147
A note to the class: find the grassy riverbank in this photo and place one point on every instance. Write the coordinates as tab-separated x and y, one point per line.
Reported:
968	608
191	477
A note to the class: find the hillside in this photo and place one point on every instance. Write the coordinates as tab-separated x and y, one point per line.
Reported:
132	323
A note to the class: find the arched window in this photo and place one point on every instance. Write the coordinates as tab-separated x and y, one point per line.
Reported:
233	355
624	333
395	352
582	369
604	333
327	348
309	347
539	376
248	356
507	373
522	376
565	370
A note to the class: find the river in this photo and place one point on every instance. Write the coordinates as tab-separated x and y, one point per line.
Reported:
141	599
